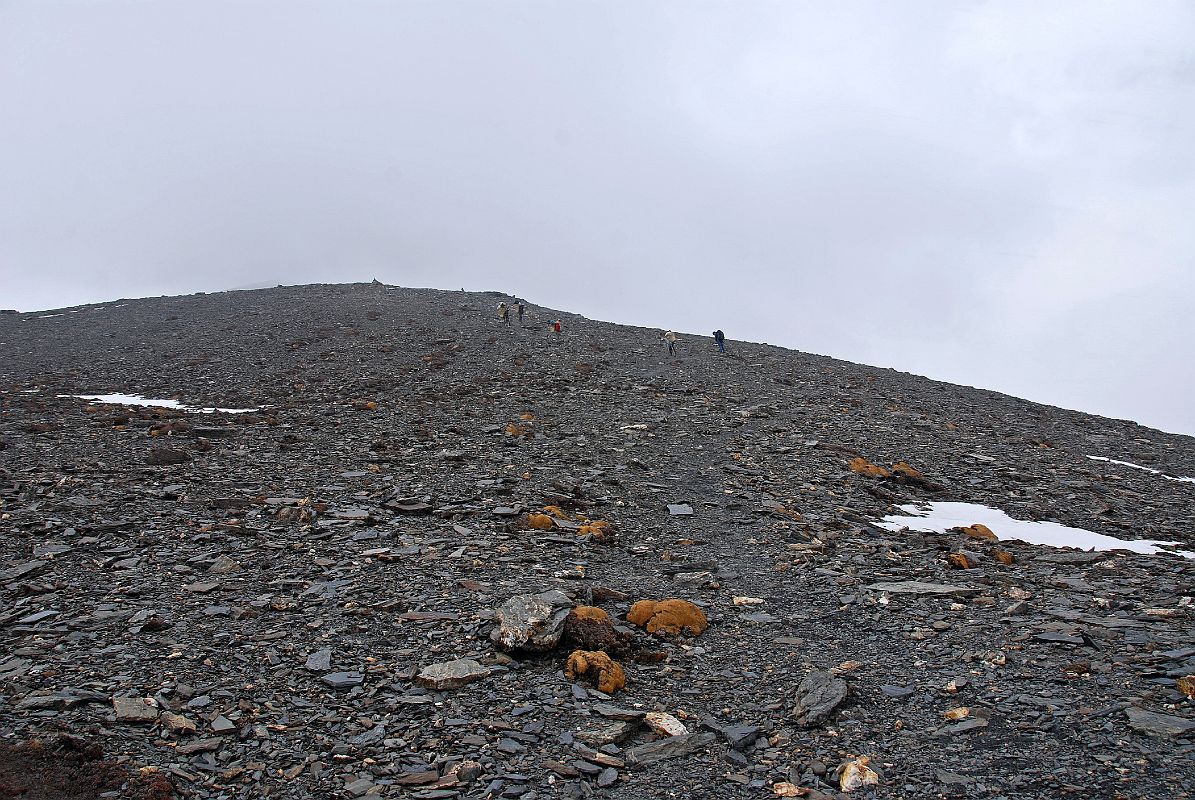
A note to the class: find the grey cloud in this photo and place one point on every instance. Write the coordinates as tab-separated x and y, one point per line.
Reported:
991	193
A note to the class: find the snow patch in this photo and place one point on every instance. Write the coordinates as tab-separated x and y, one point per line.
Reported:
138	400
941	517
1151	470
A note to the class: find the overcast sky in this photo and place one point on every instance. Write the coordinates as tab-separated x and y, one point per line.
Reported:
996	194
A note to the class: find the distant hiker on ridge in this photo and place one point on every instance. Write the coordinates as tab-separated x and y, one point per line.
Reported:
504	313
671	338
720	340
519	309
556	325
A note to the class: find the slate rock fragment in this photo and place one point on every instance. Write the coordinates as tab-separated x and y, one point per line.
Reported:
134	710
739	737
921	587
451	674
343	680
673	747
319	661
1155	724
817	697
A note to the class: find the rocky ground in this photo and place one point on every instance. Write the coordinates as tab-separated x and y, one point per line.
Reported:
250	602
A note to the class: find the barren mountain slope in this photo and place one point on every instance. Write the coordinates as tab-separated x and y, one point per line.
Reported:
277	579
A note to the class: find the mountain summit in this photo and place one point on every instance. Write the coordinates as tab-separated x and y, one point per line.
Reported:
359	540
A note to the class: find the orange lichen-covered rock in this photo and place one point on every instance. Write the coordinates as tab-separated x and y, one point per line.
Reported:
539	522
904	469
980	531
668	616
1003	556
865	467
557	511
590	628
605	672
597	528
962	560
591	612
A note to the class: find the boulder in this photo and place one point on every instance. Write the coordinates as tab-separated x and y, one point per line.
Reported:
817	697
531	622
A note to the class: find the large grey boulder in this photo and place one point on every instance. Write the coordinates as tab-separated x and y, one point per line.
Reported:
531	622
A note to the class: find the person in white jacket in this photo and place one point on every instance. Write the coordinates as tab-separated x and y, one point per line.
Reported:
670	338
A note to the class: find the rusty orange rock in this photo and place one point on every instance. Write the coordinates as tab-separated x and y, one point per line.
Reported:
865	467
668	616
605	672
597	528
539	522
961	561
980	531
591	612
904	469
1003	556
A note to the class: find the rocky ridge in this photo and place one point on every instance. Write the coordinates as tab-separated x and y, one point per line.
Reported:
299	600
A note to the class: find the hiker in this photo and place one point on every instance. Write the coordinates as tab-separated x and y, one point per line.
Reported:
504	313
720	340
519	309
556	325
670	337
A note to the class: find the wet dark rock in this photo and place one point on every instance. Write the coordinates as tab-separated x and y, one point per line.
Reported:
1155	724
818	694
319	661
164	456
617	712
739	737
645	755
343	680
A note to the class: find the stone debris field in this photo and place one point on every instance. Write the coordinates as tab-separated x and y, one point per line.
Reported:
383	544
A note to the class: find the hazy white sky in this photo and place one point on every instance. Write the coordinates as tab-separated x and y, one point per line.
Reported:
997	194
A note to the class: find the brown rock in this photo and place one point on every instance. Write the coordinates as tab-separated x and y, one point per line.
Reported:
668	616
606	673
